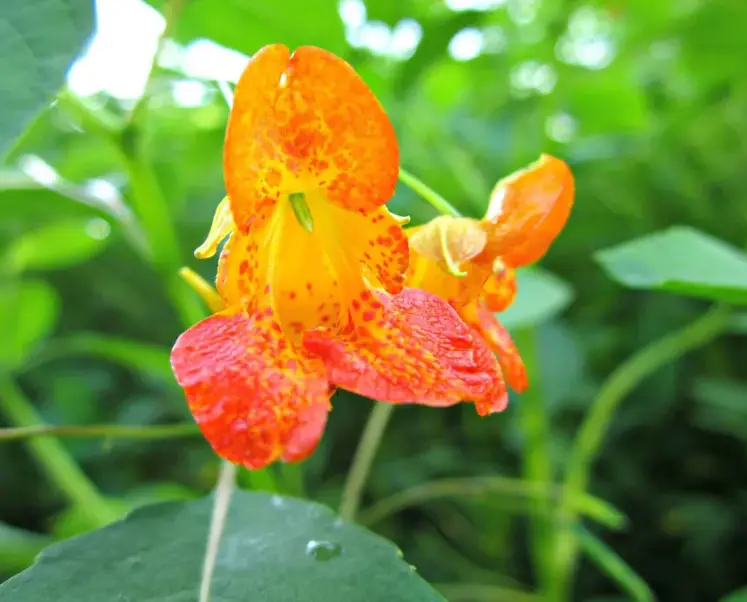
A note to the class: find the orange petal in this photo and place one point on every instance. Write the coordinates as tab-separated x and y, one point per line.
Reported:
307	123
500	342
254	398
527	211
500	289
332	124
412	349
250	173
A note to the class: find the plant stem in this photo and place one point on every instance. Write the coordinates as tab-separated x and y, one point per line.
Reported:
426	192
624	379
363	459
113	431
536	457
55	460
223	491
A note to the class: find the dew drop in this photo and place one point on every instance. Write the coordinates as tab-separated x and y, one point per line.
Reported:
277	501
323	550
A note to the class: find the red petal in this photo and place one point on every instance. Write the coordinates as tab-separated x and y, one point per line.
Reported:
500	342
414	349
253	396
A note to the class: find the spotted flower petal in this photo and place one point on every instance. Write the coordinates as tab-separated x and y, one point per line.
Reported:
307	122
527	211
500	289
499	341
412	349
255	399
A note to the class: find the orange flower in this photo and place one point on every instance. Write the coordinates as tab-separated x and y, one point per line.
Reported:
527	211
311	277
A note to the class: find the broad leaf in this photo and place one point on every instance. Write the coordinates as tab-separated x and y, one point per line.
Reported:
38	42
680	260
28	311
541	296
274	549
58	245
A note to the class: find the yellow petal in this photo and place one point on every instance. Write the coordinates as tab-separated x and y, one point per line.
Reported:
220	228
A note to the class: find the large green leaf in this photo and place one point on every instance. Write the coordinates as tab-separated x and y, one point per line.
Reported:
38	42
541	296
680	260
274	549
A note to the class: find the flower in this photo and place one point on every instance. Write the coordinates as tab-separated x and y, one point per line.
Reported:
311	277
527	210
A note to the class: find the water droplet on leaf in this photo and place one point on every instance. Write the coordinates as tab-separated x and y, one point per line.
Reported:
323	550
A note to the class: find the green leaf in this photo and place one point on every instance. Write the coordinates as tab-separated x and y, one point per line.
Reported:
58	245
247	26
28	311
38	42
541	296
608	560
681	260
275	548
739	595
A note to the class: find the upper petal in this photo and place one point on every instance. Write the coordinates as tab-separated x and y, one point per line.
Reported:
303	123
331	122
527	211
250	169
254	398
413	348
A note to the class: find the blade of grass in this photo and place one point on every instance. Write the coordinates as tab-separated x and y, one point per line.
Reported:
516	489
588	442
614	566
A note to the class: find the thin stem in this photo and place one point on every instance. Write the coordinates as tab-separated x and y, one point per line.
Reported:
624	379
536	457
505	488
112	431
54	459
431	196
363	459
223	491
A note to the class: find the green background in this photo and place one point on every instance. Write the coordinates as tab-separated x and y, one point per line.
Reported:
656	134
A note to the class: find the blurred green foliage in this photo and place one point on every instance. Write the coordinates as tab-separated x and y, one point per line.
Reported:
647	101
